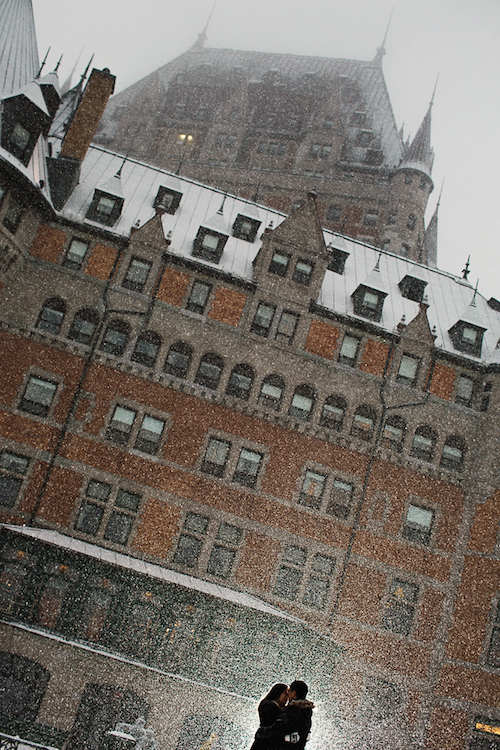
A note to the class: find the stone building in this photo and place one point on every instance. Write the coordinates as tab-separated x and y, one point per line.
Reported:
270	126
236	447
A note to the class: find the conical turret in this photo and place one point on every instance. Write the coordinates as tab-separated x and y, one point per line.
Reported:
19	62
420	156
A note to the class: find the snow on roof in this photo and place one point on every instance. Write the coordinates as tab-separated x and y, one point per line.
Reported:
152	570
18	49
448	296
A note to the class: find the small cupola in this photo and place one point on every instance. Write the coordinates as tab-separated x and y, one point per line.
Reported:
368	298
413	285
49	86
468	332
24	118
107	202
211	238
337	252
247	224
168	197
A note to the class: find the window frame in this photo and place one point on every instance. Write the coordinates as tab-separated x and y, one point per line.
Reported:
130	439
203	252
39	408
76	264
133	282
107	218
194	303
188	353
256	326
49	326
301	275
343	359
412	365
416	532
238	225
13	480
111	506
77	332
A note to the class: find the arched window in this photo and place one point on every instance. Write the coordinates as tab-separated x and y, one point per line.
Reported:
453	453
115	337
332	415
302	403
363	424
240	381
83	326
146	348
424	441
209	370
178	359
271	392
51	315
394	432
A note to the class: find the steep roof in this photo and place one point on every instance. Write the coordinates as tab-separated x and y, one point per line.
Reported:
19	62
420	155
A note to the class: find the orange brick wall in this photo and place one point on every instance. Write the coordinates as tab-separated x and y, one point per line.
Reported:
429	615
362	594
158	525
48	243
447	729
173	287
227	306
443	381
60	494
374	357
258	561
322	339
100	263
483	535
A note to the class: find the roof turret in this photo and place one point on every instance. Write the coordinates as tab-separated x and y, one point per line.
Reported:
19	61
431	238
420	156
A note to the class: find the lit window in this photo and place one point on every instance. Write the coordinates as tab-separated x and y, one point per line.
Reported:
167	200
247	468
137	274
149	435
408	369
263	319
209	245
302	272
13	469
209	370
115	337
368	302
341	499
418	524
216	456
105	208
400	610
271	392
83	327
332	415
51	315
121	424
349	350
279	263
178	359
312	490
38	396
287	326
198	297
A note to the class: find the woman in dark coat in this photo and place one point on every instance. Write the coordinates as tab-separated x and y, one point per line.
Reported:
269	710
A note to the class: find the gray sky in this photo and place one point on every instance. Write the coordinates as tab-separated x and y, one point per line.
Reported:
455	39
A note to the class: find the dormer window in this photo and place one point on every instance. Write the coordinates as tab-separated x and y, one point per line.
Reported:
19	138
337	260
167	200
105	208
245	228
368	302
467	338
302	272
412	288
209	245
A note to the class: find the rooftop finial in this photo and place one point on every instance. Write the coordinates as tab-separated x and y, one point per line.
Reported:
473	301
221	209
202	36
119	173
58	63
43	63
466	271
381	49
434	92
84	74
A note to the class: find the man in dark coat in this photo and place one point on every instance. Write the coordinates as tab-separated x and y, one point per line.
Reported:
291	730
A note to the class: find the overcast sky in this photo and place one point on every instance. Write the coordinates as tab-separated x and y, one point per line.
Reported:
455	39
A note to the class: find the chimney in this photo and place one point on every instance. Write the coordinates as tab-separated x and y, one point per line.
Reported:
64	172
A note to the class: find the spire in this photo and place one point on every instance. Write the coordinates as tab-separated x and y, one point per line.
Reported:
67	83
420	155
202	37
381	50
19	62
431	236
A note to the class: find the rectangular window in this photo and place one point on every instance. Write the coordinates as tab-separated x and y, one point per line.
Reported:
279	263
341	499
326	150
290	574
263	319
314	150
121	424
318	583
13	469
418	524
287	326
38	396
371	218
191	540
198	298
137	274
107	513
312	490
334	212
149	435
216	456
349	350
302	272
400	610
76	253
13	215
247	468
465	391
223	553
493	658
408	369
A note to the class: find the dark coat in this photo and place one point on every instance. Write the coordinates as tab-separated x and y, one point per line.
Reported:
295	719
269	712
